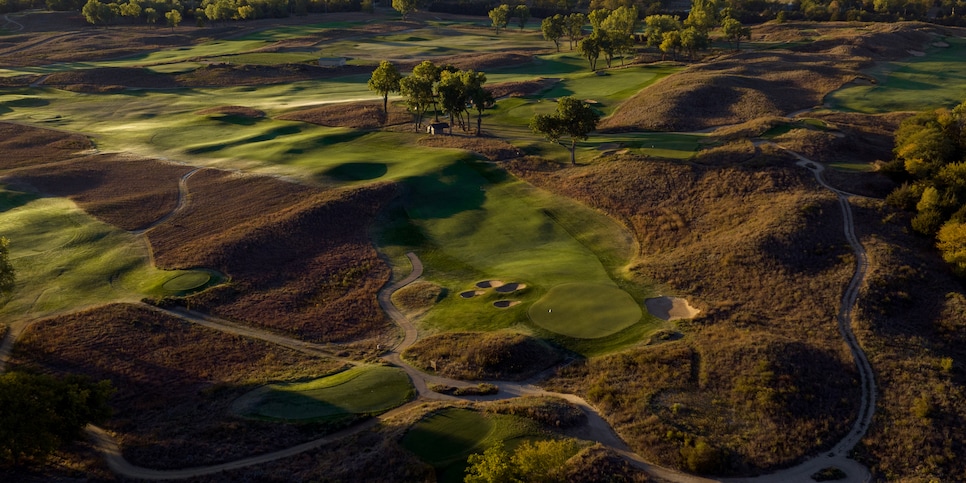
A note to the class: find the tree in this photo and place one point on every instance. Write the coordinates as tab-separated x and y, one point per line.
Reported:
539	462
590	48
385	80
670	43
97	13
553	29
575	27
418	89
522	14
500	17
453	96
405	7
480	97
703	15
573	118
734	31
8	278
597	18
40	413
693	40
656	25
952	243
174	18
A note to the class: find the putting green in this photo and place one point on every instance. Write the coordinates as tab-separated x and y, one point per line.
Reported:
585	310
360	390
445	435
186	281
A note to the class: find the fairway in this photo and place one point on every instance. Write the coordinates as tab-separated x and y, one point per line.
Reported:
360	390
585	310
937	79
65	259
445	435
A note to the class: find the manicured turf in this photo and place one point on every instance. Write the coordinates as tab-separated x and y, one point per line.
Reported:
937	79
585	310
360	390
65	259
185	282
445	435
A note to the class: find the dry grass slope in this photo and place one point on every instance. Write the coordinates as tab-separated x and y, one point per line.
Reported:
175	381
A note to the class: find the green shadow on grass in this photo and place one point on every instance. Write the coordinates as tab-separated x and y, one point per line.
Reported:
365	390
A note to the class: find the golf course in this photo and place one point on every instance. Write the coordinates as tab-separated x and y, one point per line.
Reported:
667	264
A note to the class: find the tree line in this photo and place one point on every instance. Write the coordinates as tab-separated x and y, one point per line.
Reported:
930	162
204	12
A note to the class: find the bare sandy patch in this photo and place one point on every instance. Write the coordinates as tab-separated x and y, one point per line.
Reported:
917	53
489	284
670	308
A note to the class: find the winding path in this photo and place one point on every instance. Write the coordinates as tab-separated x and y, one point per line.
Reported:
178	207
596	429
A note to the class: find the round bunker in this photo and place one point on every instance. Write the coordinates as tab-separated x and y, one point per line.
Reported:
489	284
468	294
585	310
510	287
670	308
502	304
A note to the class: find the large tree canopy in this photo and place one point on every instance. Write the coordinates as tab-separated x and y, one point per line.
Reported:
39	413
7	277
573	119
385	80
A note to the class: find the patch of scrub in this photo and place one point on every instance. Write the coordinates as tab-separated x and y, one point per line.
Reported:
670	308
360	390
585	310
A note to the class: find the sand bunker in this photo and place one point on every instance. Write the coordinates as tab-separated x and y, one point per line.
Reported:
471	293
511	287
489	284
917	53
502	304
670	308
940	44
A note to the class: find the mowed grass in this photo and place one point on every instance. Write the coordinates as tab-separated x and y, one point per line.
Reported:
360	390
585	310
65	259
937	79
445	438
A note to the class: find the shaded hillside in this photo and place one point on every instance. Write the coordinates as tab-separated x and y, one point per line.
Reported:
300	259
746	85
175	381
761	252
25	145
127	191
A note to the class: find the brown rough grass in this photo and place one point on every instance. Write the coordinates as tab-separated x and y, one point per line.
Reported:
521	88
300	258
762	250
25	145
128	191
740	87
175	381
490	148
240	111
356	115
482	356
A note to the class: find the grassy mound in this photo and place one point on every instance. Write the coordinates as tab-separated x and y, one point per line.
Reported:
300	258
356	115
360	390
585	310
475	356
418	297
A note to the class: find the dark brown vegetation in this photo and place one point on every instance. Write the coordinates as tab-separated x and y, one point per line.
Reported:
418	297
749	85
240	111
175	381
599	464
551	412
725	236
128	191
475	356
26	146
300	258
490	148
911	319
356	115
521	89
